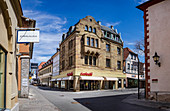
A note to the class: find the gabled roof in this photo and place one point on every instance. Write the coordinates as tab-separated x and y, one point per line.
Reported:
126	52
148	4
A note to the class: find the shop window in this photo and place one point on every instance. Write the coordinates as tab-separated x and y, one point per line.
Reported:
88	40
90	60
90	29
118	51
86	28
108	47
92	42
97	44
107	62
128	66
94	30
118	65
86	60
94	61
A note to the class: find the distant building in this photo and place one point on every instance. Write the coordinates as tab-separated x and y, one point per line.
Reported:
45	73
91	57
56	68
157	30
130	63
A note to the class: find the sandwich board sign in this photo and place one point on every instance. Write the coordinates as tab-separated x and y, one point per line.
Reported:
26	36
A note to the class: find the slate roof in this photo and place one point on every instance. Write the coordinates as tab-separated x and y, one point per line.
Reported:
108	29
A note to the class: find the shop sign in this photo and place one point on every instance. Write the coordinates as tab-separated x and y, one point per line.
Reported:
133	75
86	74
26	36
70	74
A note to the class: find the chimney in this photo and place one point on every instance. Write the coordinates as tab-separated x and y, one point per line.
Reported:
58	49
116	30
112	27
99	22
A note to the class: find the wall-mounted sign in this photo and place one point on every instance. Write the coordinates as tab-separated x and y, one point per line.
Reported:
34	65
86	74
154	80
24	82
70	74
25	36
133	75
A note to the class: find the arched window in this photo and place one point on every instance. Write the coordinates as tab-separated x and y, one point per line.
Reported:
86	28
90	29
94	30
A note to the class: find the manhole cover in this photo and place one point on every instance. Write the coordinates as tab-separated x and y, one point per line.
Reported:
75	102
61	95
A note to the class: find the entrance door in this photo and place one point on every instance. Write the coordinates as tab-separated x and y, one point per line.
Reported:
2	78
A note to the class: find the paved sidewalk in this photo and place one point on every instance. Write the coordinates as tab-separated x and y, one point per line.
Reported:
133	99
36	102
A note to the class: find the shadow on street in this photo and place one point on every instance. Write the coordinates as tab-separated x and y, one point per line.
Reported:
111	103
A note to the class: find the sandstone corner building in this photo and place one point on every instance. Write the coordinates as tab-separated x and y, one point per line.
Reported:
91	57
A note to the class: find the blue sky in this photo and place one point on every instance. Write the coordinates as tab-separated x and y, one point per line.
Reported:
54	17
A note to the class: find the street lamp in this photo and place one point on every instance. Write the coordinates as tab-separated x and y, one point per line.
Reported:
156	59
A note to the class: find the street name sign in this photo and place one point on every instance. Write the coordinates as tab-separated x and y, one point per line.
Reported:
26	36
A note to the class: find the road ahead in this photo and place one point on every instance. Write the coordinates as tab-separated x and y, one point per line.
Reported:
90	100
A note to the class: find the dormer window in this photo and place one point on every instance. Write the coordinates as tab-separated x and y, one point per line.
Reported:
86	28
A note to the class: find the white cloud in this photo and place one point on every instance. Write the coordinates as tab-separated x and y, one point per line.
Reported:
129	43
51	29
142	1
113	24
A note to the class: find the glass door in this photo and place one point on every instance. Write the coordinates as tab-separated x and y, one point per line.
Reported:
2	78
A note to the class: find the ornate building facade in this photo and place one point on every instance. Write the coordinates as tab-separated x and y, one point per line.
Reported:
91	57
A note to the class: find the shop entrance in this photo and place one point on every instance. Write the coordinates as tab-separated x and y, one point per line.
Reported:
70	85
89	85
109	84
2	78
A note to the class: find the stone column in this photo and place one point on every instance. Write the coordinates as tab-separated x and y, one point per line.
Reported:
116	84
66	85
76	84
101	84
25	66
122	83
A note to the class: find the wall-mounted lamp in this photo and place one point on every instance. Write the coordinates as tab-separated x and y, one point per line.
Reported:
156	59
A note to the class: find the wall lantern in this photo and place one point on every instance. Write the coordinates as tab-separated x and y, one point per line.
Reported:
156	59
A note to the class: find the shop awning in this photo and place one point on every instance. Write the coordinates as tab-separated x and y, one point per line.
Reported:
68	78
111	79
53	80
59	79
90	78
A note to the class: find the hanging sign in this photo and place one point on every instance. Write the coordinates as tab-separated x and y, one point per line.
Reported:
26	36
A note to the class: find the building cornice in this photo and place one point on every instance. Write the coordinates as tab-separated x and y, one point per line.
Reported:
148	4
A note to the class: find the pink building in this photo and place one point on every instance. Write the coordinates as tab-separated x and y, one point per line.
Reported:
157	41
